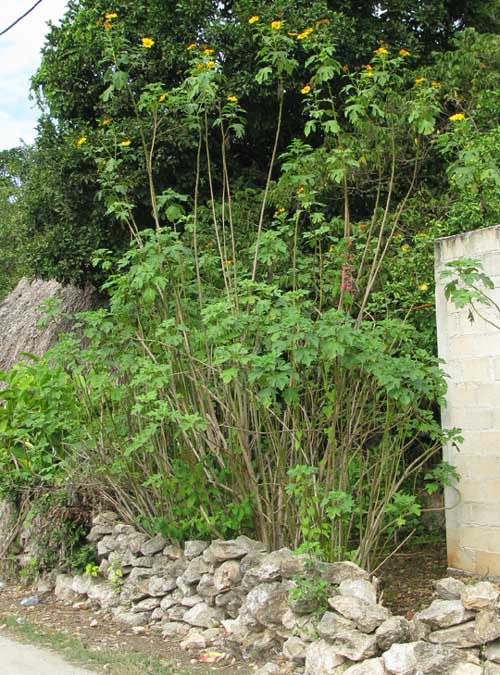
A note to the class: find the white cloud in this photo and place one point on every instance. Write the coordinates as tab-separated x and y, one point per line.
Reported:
19	59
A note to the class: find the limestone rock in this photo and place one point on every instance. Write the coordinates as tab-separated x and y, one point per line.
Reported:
194	548
463	635
157	614
122	615
106	545
270	612
331	624
235	548
444	613
176	613
171	599
354	645
295	649
432	659
479	596
196	568
368	667
268	669
133	591
174	629
206	587
230	602
64	588
82	583
173	552
141	573
281	564
203	616
105	594
226	576
337	572
193	641
160	586
359	588
418	631
366	616
400	659
488	625
468	669
395	629
322	659
491	668
191	600
492	651
154	545
102	525
449	588
146	605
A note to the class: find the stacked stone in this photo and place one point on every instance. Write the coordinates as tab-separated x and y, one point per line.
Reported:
234	592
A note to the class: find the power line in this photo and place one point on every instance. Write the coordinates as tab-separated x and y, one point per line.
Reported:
20	18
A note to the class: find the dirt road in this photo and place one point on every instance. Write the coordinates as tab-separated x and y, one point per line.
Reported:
18	658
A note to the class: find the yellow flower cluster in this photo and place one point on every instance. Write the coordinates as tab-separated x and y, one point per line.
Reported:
254	19
106	121
110	15
368	70
423	287
126	142
300	190
191	45
419	80
208	51
436	84
147	42
279	211
381	50
305	89
81	141
162	97
305	33
232	99
276	25
404	52
457	117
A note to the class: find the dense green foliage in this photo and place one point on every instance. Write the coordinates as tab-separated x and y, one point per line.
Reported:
259	190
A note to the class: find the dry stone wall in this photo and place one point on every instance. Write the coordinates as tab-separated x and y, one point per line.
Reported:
234	595
471	351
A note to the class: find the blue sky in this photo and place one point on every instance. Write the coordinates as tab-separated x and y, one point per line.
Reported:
19	59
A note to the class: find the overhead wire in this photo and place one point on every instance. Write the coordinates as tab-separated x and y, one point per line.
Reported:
20	18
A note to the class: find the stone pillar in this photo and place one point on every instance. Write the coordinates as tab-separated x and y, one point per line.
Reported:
471	351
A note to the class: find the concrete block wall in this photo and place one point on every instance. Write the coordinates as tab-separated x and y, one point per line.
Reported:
471	351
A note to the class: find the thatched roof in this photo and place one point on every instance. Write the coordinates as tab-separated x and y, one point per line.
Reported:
20	313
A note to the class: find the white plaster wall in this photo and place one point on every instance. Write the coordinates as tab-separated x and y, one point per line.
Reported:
471	351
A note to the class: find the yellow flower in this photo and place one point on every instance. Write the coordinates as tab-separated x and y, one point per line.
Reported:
345	68
368	70
107	25
200	65
457	117
110	15
305	89
300	190
423	287
232	99
405	248
362	159
81	141
276	25
419	80
210	64
305	33
208	51
106	121
147	42
228	262
292	33
397	235
330	249
254	18
279	211
436	84
162	97
422	234
404	52
191	45
381	50
126	142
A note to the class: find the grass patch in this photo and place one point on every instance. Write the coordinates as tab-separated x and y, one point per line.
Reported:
78	652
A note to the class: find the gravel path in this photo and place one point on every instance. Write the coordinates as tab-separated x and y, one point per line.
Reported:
18	658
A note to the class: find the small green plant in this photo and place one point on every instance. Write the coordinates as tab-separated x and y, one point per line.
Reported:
443	475
309	594
83	558
30	572
115	576
91	569
467	288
